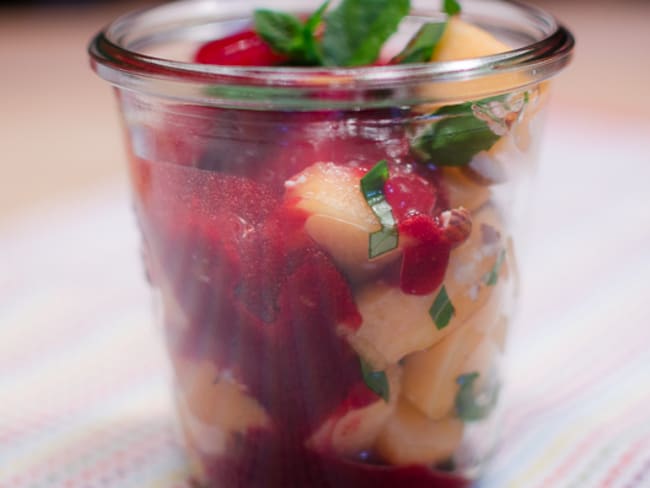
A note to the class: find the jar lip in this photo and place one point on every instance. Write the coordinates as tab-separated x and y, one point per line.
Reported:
128	68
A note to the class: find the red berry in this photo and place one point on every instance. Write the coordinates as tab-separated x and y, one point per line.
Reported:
242	49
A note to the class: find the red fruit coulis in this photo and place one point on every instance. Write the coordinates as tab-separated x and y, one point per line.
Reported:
414	202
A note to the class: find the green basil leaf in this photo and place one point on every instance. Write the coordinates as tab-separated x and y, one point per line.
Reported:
356	30
375	380
372	187
442	310
282	32
456	137
420	47
312	51
470	405
492	277
382	241
451	7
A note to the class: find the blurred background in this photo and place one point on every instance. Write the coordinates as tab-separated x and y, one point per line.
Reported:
64	215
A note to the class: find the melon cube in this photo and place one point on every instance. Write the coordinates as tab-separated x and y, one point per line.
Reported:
340	220
462	40
410	437
430	376
394	324
213	407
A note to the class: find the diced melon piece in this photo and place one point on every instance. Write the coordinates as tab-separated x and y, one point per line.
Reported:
354	429
430	376
213	406
462	40
462	191
394	324
200	437
410	437
340	219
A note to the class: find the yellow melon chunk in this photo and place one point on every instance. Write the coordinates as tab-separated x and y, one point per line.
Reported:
410	437
462	40
430	376
213	406
394	324
340	219
356	430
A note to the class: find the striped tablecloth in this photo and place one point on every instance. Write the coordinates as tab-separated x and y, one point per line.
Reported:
84	384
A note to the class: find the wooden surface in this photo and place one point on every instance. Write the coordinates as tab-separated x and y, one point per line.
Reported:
59	131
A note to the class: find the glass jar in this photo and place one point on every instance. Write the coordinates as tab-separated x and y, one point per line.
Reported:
334	248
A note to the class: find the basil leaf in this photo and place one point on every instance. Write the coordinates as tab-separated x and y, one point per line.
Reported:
356	30
455	139
442	310
451	7
372	187
472	406
285	34
420	47
312	51
282	32
381	242
375	380
492	277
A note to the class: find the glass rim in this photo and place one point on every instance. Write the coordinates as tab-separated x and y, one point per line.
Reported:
127	68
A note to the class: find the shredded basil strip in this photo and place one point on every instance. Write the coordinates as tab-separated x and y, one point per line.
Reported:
375	380
471	405
442	310
372	186
455	137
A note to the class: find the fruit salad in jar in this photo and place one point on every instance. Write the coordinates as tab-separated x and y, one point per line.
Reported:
335	284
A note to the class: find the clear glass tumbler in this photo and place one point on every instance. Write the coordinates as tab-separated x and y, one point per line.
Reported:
334	249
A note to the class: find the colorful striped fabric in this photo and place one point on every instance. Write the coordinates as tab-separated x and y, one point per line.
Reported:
84	396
